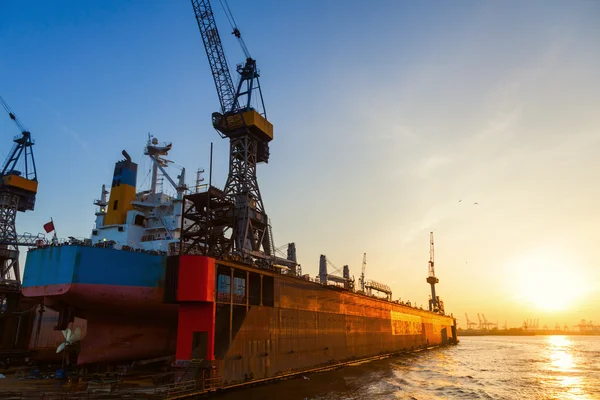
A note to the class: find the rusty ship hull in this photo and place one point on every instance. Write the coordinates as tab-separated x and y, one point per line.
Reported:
252	323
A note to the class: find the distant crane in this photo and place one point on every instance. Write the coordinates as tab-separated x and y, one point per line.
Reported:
587	326
487	324
531	323
470	324
325	276
362	275
480	324
435	304
367	286
18	188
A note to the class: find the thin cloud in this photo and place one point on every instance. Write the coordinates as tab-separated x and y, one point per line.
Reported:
74	134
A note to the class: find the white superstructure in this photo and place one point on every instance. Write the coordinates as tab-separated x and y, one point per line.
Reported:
154	222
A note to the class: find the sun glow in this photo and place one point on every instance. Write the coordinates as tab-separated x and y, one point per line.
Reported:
548	280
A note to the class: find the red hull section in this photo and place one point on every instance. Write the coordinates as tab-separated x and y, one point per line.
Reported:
89	298
124	323
196	318
196	292
196	279
109	340
45	339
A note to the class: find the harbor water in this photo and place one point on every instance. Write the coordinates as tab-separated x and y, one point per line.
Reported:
483	367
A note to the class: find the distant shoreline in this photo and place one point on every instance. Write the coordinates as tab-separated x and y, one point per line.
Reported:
522	332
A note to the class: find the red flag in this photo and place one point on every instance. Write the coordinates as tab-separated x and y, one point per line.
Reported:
49	227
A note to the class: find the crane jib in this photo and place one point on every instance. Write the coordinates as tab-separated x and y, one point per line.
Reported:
216	55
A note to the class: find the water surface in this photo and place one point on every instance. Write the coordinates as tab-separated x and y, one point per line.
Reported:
484	367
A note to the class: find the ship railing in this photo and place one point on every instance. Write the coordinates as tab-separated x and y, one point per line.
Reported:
57	242
29	240
40	241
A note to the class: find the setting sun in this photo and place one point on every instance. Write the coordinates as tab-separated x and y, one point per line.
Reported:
547	280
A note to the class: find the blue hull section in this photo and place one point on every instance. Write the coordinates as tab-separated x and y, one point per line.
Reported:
60	265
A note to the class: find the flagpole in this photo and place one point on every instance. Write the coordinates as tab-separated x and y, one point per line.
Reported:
55	238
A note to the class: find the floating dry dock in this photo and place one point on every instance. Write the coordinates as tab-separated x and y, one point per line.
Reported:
248	323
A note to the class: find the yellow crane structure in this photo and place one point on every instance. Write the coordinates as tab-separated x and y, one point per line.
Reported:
18	188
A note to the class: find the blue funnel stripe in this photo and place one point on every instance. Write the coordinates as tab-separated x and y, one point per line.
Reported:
125	174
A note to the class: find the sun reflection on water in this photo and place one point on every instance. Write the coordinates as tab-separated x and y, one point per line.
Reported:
560	353
562	365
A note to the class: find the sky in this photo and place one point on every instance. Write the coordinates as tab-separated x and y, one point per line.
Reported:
391	120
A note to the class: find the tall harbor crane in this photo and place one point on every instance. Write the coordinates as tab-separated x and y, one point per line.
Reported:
233	222
435	304
18	187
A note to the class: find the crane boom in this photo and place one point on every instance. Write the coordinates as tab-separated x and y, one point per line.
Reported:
216	55
431	256
20	183
13	116
23	144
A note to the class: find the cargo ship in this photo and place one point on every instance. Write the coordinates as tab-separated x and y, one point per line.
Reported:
114	279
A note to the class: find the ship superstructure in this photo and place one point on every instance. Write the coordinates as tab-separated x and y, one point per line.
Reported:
144	221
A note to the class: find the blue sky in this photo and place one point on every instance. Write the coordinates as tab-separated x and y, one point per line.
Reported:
386	114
